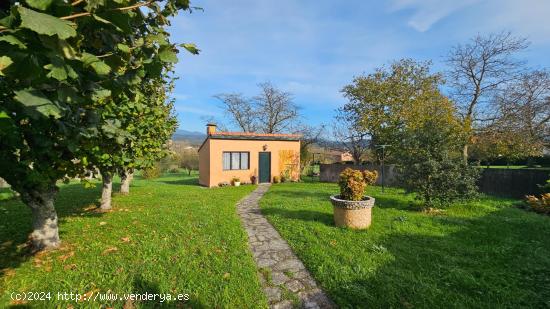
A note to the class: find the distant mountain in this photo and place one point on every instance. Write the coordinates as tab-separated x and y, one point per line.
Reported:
192	137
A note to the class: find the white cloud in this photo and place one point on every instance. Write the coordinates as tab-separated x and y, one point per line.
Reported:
428	12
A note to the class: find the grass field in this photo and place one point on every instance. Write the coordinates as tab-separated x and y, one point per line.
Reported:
168	236
484	254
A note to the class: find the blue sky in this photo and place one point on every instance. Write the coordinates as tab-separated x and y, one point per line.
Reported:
314	48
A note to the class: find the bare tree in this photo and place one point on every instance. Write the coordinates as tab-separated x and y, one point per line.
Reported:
525	107
310	135
351	135
276	111
479	69
271	111
241	111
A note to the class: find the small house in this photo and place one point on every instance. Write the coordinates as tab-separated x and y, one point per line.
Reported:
250	157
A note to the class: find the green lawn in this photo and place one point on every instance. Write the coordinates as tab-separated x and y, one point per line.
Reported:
515	167
484	254
168	236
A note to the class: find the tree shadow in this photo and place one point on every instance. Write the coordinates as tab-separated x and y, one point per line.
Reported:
73	200
320	196
186	182
304	215
500	259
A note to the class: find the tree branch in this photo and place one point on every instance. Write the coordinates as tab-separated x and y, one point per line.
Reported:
126	8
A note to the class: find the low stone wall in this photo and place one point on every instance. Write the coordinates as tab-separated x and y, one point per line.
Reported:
502	182
331	172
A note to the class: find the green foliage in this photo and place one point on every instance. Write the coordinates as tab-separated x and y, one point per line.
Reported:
81	85
152	172
276	179
352	183
431	164
390	101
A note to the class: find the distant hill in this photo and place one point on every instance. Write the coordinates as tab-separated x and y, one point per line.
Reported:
191	137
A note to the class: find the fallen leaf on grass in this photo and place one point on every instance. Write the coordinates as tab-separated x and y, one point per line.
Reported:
87	296
8	272
69	267
129	304
18	302
125	239
63	258
109	250
226	275
102	223
91	207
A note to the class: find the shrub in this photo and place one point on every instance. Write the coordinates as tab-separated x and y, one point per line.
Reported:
353	183
438	182
223	184
540	205
253	179
152	172
276	179
431	164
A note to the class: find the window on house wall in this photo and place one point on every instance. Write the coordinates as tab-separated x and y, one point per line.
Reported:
235	160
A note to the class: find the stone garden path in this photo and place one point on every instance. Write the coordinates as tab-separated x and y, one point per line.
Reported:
285	280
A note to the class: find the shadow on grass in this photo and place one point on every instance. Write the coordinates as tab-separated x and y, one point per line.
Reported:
304	215
15	222
500	259
186	181
142	286
301	194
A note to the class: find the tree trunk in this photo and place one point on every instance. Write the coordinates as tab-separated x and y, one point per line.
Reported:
107	189
126	177
465	153
45	234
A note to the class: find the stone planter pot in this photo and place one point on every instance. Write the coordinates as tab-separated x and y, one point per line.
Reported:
237	183
352	214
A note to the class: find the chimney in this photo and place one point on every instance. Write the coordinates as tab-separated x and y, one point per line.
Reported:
210	129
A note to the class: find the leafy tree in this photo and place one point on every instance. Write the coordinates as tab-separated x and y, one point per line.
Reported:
402	106
430	164
60	62
390	101
189	160
135	136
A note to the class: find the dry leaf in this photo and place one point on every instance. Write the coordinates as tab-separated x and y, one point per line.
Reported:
125	239
63	258
8	272
69	267
88	295
109	250
102	223
226	275
129	304
18	302
91	207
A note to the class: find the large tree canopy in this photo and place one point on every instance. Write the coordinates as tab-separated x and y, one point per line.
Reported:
61	65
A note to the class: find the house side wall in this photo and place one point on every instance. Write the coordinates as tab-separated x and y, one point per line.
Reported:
204	164
277	148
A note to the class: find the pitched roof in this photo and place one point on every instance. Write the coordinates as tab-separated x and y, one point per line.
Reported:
252	136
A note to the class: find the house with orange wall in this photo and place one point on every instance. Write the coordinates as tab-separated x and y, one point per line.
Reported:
251	157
